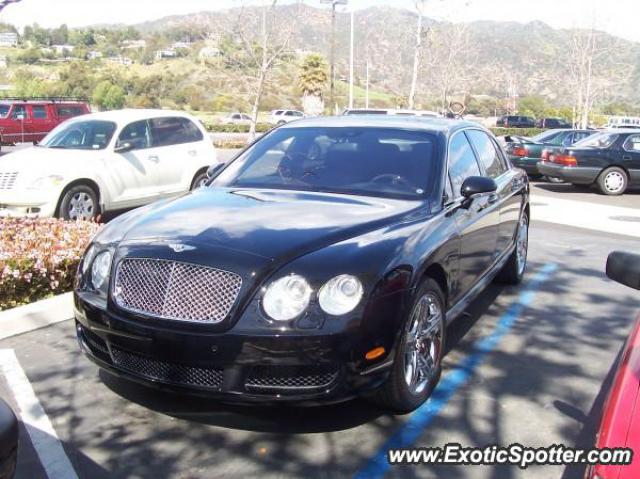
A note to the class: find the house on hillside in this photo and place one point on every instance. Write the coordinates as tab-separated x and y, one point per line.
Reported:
8	39
209	52
134	44
167	53
120	60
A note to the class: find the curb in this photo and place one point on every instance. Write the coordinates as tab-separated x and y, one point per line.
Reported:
40	314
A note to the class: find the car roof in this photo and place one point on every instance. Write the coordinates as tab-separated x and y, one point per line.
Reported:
439	125
132	114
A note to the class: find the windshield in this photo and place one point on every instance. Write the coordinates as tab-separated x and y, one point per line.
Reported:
601	140
364	161
81	135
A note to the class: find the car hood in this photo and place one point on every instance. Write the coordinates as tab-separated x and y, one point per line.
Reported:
37	161
274	224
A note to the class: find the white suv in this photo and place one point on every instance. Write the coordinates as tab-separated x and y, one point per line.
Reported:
280	117
106	161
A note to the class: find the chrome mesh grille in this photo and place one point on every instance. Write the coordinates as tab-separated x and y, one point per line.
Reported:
171	373
291	377
8	180
174	290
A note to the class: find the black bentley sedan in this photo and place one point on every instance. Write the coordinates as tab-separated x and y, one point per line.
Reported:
323	262
609	159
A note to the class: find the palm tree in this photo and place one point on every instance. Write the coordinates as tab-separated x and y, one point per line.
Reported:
312	81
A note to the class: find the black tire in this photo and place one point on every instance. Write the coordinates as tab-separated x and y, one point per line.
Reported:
613	181
281	122
79	193
513	271
395	394
198	179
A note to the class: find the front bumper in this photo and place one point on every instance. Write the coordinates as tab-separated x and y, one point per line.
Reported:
572	174
530	165
19	203
312	369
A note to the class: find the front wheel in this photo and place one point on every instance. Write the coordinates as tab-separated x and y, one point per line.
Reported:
513	271
79	202
418	361
199	181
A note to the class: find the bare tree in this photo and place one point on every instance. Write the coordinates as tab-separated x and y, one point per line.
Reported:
260	53
420	6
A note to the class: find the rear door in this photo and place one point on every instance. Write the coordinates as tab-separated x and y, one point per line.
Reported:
14	126
478	224
508	204
631	158
181	151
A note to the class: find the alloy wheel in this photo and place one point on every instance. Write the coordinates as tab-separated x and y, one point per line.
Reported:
614	181
81	207
423	344
522	244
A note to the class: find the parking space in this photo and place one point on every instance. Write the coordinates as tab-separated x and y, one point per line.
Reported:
538	380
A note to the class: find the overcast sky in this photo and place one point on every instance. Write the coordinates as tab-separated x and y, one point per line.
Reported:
618	17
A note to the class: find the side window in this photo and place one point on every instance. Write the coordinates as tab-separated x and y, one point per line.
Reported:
580	135
569	140
174	131
136	133
19	112
487	152
39	112
462	162
632	143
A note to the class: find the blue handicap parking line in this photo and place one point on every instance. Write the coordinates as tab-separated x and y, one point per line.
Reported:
411	431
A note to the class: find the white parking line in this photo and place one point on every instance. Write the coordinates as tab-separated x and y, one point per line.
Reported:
43	437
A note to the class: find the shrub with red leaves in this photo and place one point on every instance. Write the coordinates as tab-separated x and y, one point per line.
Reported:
39	257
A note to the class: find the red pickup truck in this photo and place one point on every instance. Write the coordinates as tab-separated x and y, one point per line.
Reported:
31	119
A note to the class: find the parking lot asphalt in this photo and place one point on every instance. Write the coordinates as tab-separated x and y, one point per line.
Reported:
540	382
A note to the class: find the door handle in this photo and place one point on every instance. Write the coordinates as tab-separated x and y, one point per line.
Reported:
193	152
627	158
154	158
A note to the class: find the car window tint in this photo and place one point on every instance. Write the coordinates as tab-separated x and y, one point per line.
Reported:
580	135
569	140
632	143
137	134
487	152
19	111
462	162
69	111
174	131
4	110
39	112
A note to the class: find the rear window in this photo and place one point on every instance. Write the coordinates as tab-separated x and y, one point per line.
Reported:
601	140
174	131
68	111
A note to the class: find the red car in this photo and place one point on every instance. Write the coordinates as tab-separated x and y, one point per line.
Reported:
30	120
620	426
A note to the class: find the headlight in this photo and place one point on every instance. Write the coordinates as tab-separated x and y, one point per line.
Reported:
340	295
46	182
100	269
88	256
286	298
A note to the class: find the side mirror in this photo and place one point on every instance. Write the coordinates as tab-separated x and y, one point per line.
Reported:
476	185
124	147
624	268
214	170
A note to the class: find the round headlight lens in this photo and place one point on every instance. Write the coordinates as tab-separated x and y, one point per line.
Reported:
100	269
340	295
286	298
88	256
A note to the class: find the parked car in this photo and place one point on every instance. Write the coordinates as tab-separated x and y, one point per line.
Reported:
384	111
619	426
609	159
525	152
516	121
30	120
8	441
106	161
280	117
322	263
552	123
236	119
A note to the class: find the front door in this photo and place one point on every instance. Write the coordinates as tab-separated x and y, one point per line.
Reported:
477	224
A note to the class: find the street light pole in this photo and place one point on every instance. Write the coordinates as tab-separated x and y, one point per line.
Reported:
351	66
333	3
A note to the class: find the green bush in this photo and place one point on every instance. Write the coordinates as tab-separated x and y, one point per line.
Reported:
517	131
39	257
219	128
